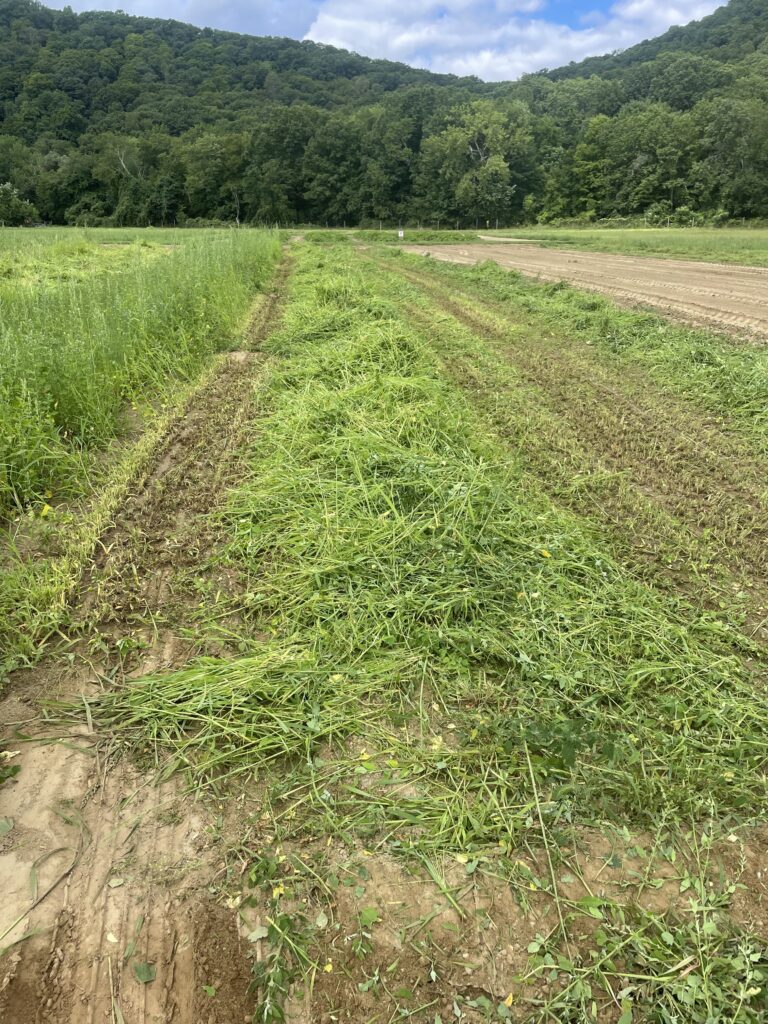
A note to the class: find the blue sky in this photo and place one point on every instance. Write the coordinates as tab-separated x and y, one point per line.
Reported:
494	39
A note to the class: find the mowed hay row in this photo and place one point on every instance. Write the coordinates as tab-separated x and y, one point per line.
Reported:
75	351
720	377
680	486
442	667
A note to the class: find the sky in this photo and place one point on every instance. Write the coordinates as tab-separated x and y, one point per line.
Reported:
493	39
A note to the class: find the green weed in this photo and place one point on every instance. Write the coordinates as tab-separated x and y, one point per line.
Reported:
693	967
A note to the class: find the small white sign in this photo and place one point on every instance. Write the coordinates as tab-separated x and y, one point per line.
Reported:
401	233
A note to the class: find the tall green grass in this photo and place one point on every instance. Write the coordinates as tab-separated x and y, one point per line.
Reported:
74	352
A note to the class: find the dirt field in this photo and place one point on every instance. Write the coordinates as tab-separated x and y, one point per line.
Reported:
707	294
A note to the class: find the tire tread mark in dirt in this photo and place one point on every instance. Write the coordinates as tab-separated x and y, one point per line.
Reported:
161	528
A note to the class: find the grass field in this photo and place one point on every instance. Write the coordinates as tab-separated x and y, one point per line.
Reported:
88	325
462	646
98	332
718	245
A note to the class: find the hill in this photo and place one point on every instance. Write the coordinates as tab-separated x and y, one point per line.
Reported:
108	118
110	71
730	34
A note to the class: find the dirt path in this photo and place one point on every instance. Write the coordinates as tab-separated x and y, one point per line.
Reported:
103	873
728	297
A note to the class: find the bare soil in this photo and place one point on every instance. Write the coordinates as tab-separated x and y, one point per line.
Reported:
724	296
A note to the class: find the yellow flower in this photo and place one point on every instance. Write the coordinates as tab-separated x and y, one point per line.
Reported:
279	890
328	968
544	553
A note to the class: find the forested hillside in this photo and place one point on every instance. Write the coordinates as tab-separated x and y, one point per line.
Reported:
106	118
733	32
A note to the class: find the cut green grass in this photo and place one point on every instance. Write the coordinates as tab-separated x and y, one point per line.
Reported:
597	455
414	236
748	246
31	259
393	546
720	378
453	665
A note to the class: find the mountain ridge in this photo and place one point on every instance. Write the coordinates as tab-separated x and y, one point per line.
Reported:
109	118
699	36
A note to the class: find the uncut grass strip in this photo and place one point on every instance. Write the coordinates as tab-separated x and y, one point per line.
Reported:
72	358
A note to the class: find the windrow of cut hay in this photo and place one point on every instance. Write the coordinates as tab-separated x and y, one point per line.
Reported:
391	549
442	666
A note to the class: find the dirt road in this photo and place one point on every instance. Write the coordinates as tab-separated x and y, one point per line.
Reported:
718	295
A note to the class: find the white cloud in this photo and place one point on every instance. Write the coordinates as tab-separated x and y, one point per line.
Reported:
494	39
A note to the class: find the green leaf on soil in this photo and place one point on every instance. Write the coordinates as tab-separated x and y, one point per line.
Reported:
145	972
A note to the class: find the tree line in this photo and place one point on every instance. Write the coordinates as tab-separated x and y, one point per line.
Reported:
109	119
